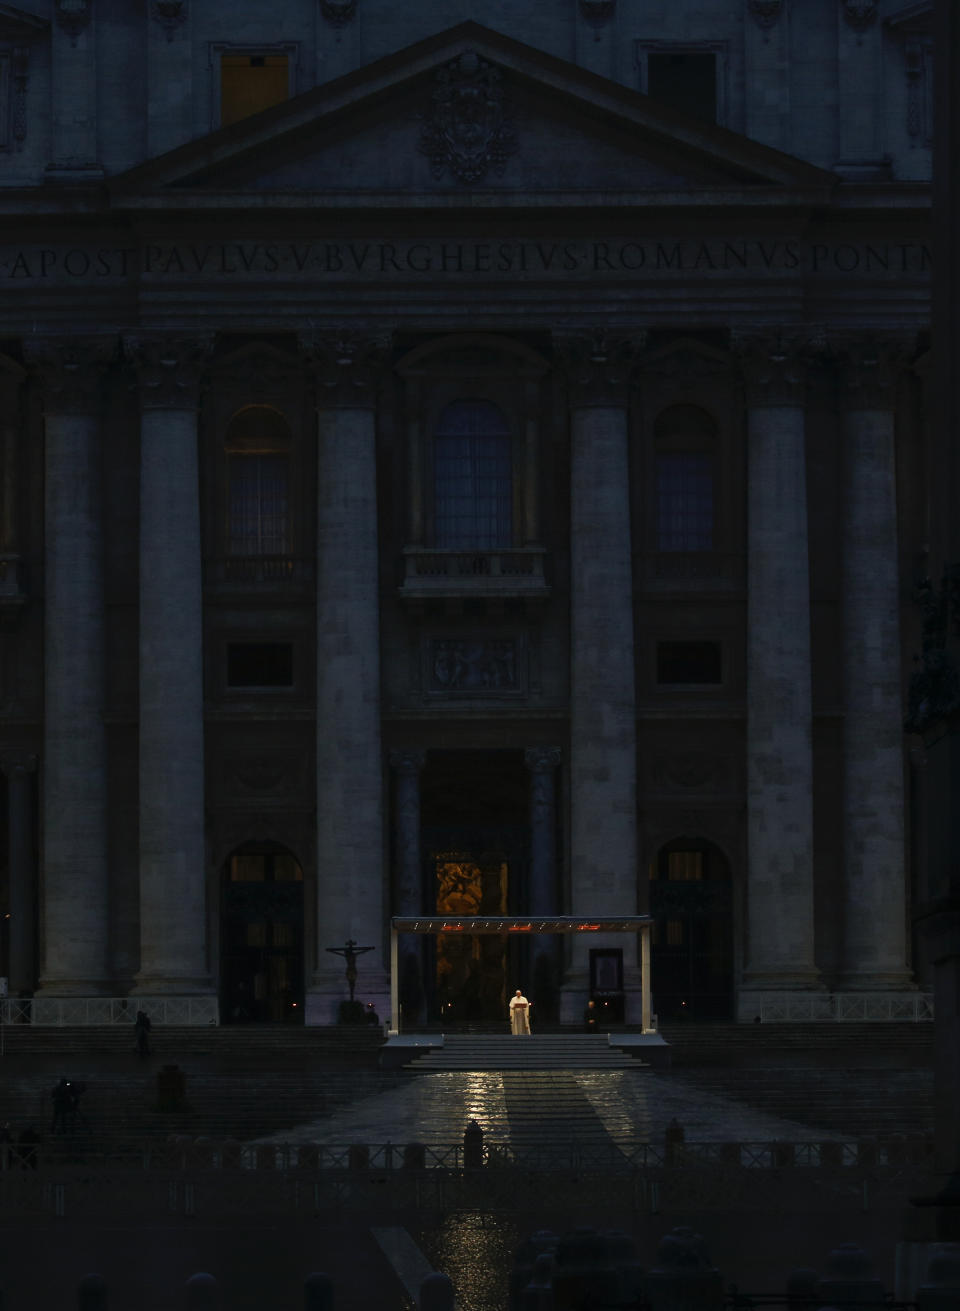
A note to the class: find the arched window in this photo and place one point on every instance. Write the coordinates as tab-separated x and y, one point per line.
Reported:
258	470
473	477
685	438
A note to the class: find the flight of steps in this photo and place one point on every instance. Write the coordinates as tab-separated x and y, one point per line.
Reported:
539	1051
848	1045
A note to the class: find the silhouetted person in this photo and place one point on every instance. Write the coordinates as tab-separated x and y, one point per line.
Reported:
371	1016
142	1029
28	1146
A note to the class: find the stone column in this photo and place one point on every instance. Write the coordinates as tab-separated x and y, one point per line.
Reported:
603	790
408	889
75	876
780	926
22	963
875	900
542	763
173	939
351	864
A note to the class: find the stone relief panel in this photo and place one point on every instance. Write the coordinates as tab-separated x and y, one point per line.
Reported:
481	667
265	773
690	770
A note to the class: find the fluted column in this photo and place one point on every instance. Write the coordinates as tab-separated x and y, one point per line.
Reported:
875	899
603	801
351	865
407	766
21	964
173	939
542	763
75	876
780	923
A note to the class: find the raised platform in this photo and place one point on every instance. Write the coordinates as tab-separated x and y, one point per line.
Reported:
423	1053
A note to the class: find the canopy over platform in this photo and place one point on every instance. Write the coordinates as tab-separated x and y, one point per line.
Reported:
532	924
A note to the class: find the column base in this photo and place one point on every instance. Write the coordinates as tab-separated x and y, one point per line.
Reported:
877	981
76	988
169	985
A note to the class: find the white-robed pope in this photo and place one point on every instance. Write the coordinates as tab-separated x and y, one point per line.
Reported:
519	1013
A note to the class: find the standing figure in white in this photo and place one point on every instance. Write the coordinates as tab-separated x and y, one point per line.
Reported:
519	1013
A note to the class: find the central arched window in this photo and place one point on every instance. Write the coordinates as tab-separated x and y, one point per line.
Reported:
473	477
685	477
258	471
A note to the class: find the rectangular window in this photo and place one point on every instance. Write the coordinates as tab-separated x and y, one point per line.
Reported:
689	662
258	513
684	502
260	664
251	83
685	79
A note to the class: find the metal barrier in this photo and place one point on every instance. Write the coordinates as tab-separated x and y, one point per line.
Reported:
850	1006
67	1012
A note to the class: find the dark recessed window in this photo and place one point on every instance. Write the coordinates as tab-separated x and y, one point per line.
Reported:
260	664
473	477
688	662
687	80
684	501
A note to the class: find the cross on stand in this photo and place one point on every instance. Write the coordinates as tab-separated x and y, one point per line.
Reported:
350	951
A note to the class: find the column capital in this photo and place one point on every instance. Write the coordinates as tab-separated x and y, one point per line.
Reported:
17	763
71	369
407	760
347	367
169	368
542	760
774	365
869	369
598	368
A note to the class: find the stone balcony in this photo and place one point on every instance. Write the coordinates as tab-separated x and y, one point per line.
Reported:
238	572
500	573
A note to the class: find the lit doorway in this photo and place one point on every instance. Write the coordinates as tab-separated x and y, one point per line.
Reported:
471	970
692	937
261	937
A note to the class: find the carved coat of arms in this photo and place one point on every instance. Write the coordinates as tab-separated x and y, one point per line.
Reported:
860	13
467	128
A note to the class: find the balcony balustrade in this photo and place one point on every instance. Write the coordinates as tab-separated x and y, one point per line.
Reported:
244	570
500	572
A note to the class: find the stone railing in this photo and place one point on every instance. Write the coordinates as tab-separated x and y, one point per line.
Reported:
436	571
872	1006
64	1012
246	569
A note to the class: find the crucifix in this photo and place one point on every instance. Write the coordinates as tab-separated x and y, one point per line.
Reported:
350	951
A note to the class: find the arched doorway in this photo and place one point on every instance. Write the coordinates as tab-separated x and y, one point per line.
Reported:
692	937
261	936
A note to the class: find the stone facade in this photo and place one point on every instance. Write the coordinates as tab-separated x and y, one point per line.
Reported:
471	462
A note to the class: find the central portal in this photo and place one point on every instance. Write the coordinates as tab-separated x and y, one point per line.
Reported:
475	840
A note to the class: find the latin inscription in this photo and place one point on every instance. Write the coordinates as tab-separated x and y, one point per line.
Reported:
345	260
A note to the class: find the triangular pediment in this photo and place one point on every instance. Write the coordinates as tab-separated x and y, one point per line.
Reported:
472	113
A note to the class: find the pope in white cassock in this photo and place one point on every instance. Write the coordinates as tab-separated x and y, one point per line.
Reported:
519	1013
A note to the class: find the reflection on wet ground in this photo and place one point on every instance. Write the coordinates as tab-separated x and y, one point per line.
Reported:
530	1107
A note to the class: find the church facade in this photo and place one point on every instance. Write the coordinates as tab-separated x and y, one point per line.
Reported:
463	464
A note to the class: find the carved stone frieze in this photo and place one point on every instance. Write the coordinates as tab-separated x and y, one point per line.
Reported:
542	760
338	12
690	769
170	14
259	374
774	364
265	772
73	16
347	367
468	129
765	12
685	362
169	369
859	13
599	368
869	369
472	667
71	369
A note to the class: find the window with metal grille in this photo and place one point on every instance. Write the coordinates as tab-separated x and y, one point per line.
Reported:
260	664
689	662
473	477
684	501
259	511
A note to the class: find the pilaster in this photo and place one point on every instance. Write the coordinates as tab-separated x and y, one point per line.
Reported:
169	75
875	895
173	950
73	85
407	766
603	817
351	851
75	873
780	943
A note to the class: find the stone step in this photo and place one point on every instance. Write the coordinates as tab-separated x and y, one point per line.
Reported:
527	1052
